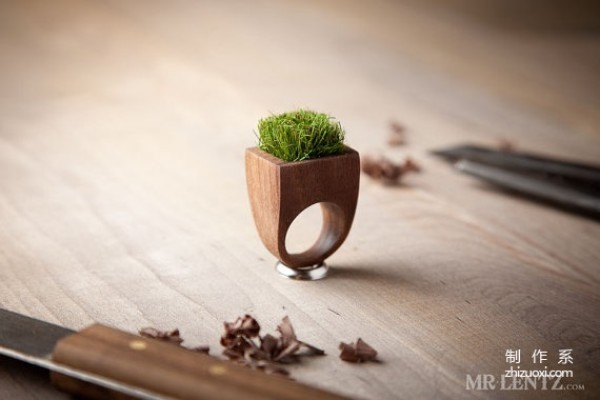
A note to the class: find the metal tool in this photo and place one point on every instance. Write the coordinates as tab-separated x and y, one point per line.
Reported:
571	185
33	341
116	361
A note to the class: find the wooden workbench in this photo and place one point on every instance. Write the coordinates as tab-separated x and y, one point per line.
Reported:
123	196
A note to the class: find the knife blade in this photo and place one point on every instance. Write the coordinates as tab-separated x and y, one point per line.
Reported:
546	190
32	341
129	366
584	175
570	185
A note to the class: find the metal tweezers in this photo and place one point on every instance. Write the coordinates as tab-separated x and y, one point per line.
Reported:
571	185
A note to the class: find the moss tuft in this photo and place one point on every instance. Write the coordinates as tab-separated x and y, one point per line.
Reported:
300	135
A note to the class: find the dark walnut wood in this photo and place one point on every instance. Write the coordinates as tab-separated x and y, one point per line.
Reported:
167	369
279	191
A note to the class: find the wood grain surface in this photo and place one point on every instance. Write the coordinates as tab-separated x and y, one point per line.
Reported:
123	200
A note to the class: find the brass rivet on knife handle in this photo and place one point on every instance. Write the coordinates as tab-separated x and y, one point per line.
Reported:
170	370
138	345
217	370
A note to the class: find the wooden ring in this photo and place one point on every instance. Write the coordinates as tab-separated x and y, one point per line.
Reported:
279	191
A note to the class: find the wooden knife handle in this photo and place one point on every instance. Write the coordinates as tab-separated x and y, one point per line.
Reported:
167	369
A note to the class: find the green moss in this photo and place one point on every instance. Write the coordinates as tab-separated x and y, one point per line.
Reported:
300	135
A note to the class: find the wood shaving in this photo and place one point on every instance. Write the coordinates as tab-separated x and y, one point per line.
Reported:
386	171
357	352
397	135
170	337
506	145
166	336
200	349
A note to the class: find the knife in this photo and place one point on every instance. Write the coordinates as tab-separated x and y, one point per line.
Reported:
569	185
101	362
565	171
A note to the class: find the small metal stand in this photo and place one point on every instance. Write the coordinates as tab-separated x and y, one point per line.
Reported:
310	273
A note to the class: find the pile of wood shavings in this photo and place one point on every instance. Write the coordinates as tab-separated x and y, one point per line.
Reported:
244	345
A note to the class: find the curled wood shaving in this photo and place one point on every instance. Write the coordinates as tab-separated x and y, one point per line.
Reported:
166	336
387	171
201	349
245	326
357	352
506	145
170	337
396	136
